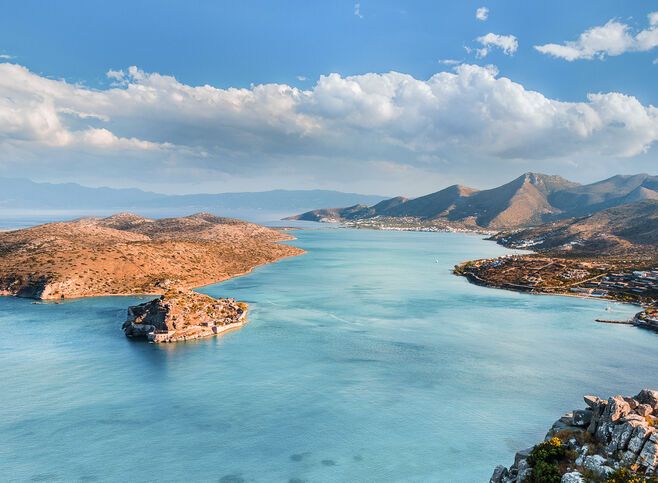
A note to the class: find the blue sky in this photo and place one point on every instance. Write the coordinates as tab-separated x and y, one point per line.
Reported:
240	44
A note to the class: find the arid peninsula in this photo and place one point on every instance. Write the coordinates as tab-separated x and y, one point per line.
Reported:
126	254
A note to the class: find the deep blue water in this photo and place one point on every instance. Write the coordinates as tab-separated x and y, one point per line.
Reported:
364	360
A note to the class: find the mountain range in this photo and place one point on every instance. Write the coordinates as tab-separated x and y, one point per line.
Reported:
626	230
23	194
529	200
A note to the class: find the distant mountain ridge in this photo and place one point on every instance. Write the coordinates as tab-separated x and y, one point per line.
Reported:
19	193
529	200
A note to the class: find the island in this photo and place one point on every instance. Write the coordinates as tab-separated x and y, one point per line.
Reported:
183	315
612	440
126	254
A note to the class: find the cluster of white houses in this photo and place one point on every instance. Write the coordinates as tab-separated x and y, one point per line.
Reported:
642	283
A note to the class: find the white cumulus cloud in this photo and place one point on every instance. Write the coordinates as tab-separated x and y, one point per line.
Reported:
482	13
507	43
653	18
612	39
357	9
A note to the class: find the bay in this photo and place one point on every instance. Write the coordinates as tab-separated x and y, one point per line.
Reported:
363	360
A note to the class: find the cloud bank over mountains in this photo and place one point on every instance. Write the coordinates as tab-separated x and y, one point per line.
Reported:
387	126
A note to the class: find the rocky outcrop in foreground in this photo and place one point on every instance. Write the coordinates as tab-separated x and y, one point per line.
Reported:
183	315
613	440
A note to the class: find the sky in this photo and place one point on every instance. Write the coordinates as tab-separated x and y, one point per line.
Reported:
385	97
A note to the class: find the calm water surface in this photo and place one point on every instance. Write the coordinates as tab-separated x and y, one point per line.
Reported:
365	360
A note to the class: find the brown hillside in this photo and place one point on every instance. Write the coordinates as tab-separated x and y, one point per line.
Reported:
520	202
128	254
433	205
626	230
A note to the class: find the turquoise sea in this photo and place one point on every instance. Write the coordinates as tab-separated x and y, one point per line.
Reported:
364	360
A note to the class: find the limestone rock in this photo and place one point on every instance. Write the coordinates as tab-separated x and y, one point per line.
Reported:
628	458
561	425
524	471
644	410
573	477
616	409
621	435
581	456
631	402
499	474
592	401
582	417
522	455
597	412
640	435
633	417
597	465
604	431
648	396
648	457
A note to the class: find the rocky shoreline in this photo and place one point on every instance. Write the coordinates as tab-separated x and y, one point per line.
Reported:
611	440
181	315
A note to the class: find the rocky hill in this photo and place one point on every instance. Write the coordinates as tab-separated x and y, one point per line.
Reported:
611	440
129	254
183	315
521	202
615	191
434	205
630	229
529	200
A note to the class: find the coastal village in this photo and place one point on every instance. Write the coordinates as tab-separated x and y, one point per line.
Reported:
410	223
618	281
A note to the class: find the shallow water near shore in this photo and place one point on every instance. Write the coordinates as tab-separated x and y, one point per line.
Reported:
364	360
